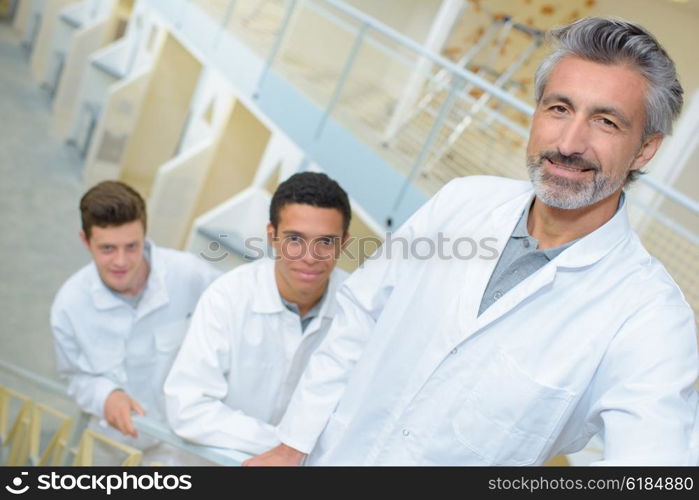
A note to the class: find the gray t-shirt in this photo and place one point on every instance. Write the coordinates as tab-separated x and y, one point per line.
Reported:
306	320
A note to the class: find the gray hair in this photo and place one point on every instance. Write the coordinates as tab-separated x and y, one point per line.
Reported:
616	41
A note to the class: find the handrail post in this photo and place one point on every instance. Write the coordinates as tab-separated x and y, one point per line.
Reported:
343	78
431	137
291	6
224	23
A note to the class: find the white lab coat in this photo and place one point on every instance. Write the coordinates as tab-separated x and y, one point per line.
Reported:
102	343
241	360
599	339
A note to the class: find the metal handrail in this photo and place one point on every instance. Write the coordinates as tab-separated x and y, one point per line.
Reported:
672	194
667	221
436	58
148	426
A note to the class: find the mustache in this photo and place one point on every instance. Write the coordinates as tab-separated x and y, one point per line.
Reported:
573	160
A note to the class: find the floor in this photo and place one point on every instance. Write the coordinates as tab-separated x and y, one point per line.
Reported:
39	194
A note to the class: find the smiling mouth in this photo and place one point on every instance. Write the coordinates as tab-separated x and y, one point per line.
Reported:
307	274
569	168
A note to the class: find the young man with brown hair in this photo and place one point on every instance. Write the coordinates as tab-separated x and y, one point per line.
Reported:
118	322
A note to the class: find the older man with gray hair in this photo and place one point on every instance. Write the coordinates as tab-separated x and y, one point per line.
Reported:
574	331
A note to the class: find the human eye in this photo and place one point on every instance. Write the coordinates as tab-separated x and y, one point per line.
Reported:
608	123
107	248
558	109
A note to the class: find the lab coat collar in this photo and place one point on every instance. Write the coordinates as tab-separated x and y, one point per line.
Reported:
102	297
594	246
500	223
586	250
520	230
268	300
154	296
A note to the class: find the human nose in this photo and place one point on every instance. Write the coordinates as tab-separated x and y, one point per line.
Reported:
120	257
574	137
310	254
321	249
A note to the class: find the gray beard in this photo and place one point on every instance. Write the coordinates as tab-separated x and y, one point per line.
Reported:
567	194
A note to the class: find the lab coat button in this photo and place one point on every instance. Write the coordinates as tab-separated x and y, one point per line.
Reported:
525	243
406	432
453	351
497	295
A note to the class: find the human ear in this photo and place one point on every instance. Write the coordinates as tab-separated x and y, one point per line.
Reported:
647	151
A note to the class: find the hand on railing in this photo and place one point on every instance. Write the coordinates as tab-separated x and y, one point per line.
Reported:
117	412
282	455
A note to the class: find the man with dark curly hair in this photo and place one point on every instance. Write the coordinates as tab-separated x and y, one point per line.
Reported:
255	328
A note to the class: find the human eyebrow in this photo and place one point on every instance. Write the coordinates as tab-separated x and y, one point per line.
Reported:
551	98
293	233
297	233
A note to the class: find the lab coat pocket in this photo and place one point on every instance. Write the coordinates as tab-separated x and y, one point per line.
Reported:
507	417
